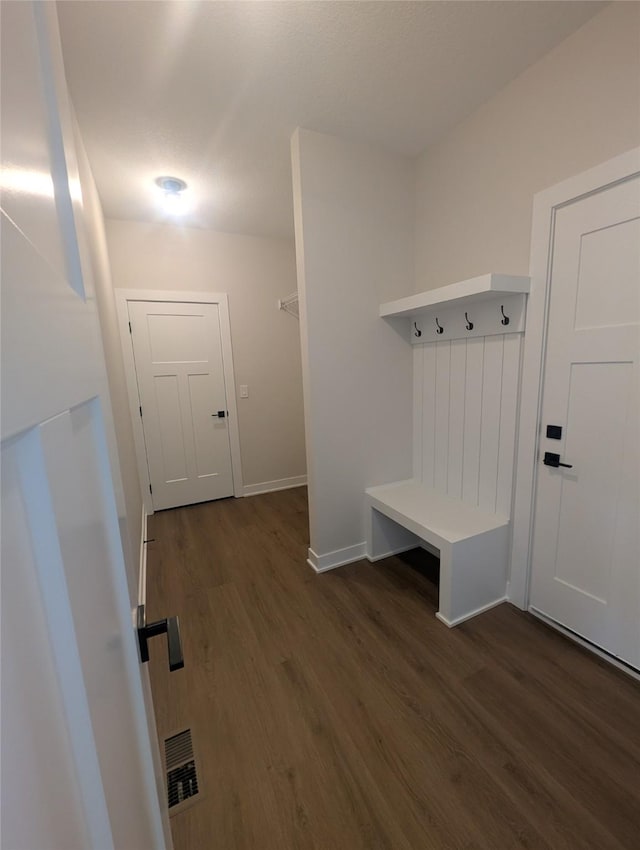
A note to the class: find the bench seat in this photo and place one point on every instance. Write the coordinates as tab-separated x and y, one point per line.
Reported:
472	543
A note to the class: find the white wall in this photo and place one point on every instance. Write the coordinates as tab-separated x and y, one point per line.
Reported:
354	243
254	272
125	476
576	107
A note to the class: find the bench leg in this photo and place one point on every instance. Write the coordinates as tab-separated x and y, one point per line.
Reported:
473	576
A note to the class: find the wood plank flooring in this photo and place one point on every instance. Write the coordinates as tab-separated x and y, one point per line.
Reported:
334	712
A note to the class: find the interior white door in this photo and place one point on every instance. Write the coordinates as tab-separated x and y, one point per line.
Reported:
77	752
586	555
179	368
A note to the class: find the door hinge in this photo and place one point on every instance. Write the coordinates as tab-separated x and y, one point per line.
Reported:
129	327
151	489
140	409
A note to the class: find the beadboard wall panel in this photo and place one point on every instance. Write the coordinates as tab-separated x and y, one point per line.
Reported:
508	421
442	393
490	423
458	366
418	380
427	427
466	398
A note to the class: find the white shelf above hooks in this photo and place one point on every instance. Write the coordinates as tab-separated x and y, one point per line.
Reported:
481	306
289	304
465	292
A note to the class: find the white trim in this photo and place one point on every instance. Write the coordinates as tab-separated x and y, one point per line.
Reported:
545	205
123	296
596	650
487	318
142	570
374	559
230	387
338	558
418	544
487	286
142	712
428	547
470	614
134	399
273	486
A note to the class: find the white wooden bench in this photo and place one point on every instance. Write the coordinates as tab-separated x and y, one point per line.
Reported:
473	544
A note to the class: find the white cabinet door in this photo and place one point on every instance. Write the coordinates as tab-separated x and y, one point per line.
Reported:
586	556
77	752
179	368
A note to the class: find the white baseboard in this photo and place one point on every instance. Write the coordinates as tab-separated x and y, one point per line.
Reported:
481	610
142	569
393	552
432	550
341	557
272	486
419	544
338	558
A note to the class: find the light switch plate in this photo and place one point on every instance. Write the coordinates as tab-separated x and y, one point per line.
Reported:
244	391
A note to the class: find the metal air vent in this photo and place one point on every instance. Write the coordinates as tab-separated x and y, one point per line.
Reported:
181	771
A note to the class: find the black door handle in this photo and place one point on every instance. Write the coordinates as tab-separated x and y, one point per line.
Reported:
170	627
553	459
220	414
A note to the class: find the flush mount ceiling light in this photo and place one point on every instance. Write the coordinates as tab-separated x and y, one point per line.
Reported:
173	200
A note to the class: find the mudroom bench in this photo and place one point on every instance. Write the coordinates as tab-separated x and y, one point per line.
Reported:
472	543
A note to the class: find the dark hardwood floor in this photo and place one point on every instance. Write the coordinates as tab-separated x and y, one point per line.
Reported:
334	712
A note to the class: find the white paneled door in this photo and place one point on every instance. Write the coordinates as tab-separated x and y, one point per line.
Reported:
77	749
185	417
586	554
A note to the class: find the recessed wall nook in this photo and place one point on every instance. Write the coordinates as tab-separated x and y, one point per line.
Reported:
467	347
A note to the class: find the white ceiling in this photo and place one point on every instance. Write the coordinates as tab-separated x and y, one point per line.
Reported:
211	91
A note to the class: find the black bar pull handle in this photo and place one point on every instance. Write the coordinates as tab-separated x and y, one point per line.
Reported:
553	459
174	644
171	627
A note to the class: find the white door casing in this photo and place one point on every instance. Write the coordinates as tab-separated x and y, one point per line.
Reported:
184	381
585	284
77	751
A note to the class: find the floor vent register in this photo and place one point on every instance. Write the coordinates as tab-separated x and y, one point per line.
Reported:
183	787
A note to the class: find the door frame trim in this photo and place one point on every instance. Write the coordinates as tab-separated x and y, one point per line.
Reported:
123	297
545	205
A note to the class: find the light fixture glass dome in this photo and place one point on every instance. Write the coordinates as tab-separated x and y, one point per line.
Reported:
171	185
173	199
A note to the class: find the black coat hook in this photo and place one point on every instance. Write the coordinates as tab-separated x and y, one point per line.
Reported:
417	331
439	328
505	319
469	324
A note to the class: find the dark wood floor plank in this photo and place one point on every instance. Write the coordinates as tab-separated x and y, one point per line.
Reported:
554	665
334	712
469	744
559	742
467	722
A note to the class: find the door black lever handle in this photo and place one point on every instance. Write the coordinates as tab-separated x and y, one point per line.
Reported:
171	627
553	459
